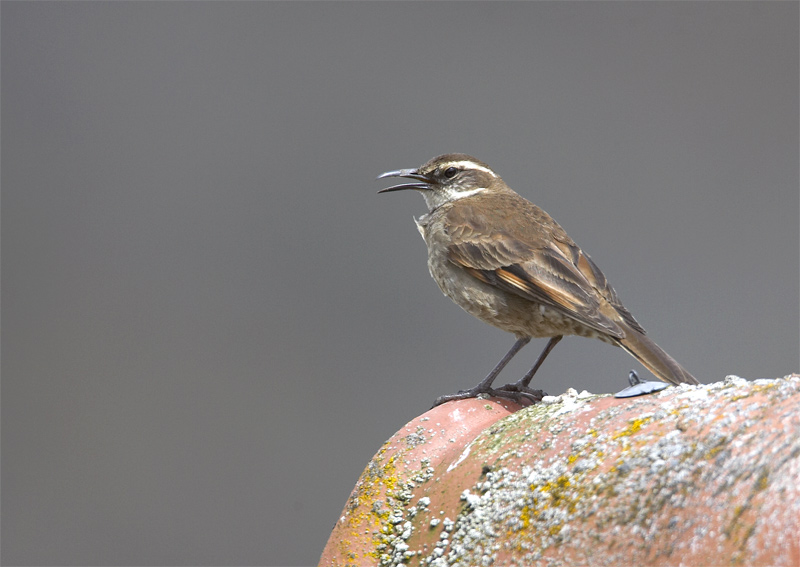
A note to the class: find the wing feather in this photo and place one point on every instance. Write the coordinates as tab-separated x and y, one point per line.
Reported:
551	271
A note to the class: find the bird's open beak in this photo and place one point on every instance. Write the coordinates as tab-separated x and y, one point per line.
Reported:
409	173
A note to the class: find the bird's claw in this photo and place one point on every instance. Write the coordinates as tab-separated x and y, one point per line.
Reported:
511	392
517	389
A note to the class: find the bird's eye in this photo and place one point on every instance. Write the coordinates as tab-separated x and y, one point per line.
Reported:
450	172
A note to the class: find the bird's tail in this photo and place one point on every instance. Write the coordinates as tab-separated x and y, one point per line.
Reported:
654	358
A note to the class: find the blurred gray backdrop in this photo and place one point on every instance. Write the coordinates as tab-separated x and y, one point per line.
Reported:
211	321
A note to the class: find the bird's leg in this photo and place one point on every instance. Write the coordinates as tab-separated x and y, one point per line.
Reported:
485	385
521	386
526	380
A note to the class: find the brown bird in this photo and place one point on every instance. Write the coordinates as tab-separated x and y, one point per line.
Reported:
507	262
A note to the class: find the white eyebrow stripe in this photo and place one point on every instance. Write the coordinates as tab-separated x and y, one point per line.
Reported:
461	194
466	164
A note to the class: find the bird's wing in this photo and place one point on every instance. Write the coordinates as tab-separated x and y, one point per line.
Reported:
548	269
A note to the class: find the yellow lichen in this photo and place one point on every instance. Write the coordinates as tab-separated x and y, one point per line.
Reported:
762	481
390	478
635	425
525	516
558	493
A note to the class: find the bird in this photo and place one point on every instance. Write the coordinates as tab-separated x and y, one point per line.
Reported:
506	261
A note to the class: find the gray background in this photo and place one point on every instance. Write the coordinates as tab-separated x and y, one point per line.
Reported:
211	321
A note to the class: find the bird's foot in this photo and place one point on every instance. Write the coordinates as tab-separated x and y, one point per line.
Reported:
515	395
461	395
519	389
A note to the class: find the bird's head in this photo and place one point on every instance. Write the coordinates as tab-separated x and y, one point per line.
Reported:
447	178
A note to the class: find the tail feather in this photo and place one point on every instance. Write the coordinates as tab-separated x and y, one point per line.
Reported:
653	357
